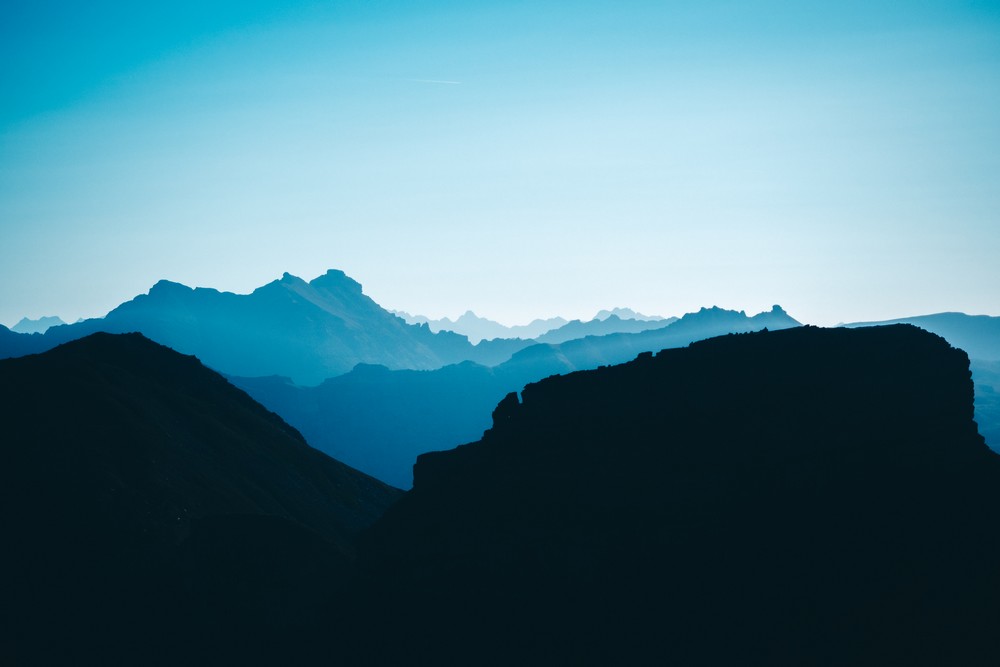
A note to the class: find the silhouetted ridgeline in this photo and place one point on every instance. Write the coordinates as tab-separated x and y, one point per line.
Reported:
799	497
149	506
379	420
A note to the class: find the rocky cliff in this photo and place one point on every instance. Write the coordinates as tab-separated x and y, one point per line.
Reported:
797	497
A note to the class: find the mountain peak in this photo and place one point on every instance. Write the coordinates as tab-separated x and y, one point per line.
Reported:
336	279
41	325
168	286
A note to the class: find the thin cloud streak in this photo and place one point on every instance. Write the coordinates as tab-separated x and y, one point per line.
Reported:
451	83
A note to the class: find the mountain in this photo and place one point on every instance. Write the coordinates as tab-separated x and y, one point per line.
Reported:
601	327
785	498
629	314
307	331
41	325
379	420
479	328
148	499
979	336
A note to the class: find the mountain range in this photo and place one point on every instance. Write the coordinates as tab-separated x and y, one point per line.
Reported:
789	497
480	328
320	354
379	420
551	330
41	325
305	330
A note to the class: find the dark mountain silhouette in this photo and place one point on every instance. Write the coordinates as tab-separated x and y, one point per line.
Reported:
379	421
307	331
600	327
799	497
41	325
979	336
147	499
480	328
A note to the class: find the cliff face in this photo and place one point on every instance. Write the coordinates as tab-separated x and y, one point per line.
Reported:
797	497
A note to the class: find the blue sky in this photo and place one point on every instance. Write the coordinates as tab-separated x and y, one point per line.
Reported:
522	159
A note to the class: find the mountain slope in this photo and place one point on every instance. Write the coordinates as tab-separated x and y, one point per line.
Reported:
784	498
134	474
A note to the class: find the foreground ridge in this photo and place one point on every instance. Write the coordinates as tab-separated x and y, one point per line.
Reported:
796	497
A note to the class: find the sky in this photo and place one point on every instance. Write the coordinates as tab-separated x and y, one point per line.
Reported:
520	159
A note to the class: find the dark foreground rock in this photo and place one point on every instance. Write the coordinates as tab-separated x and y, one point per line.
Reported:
798	497
151	508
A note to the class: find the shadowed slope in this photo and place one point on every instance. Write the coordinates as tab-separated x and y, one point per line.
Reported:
140	485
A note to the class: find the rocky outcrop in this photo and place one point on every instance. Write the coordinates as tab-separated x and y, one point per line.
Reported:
798	497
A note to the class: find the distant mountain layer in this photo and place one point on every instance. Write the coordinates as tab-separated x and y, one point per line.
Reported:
480	328
797	497
41	325
306	331
629	314
601	327
132	473
379	420
552	330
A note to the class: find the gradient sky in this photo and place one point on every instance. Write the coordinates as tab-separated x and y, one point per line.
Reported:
522	159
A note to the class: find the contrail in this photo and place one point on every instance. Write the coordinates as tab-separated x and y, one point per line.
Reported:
452	83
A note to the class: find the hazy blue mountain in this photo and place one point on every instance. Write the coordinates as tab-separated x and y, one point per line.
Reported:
41	325
601	327
479	328
629	314
308	331
148	499
802	497
379	420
